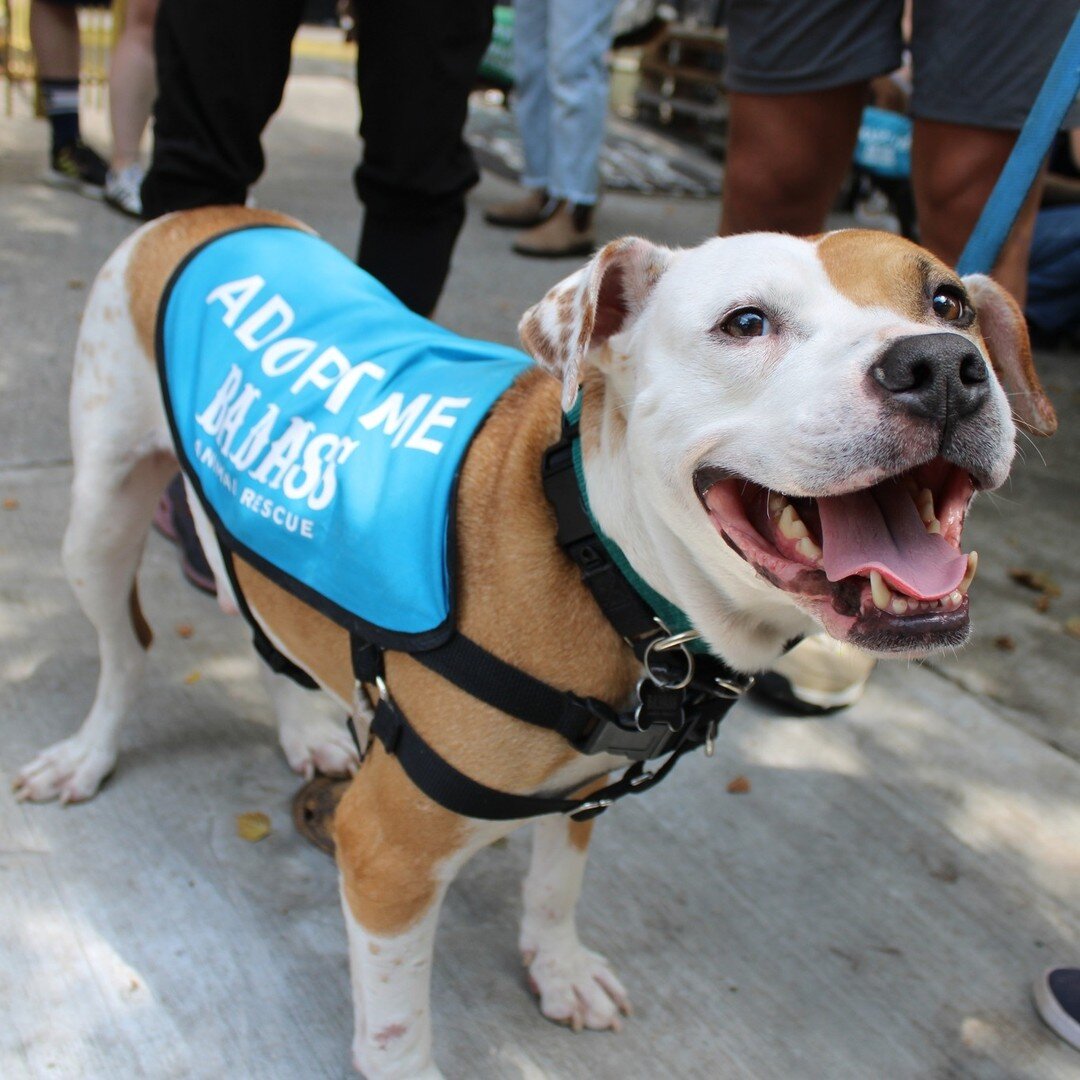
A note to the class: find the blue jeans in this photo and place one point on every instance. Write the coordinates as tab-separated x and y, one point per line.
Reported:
562	92
1053	303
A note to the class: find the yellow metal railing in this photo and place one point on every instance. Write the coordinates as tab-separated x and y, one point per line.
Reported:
99	28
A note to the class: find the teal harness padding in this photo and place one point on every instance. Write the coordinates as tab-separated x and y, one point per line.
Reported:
675	620
323	426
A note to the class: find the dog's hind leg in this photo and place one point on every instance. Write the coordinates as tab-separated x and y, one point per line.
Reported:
311	737
122	461
575	985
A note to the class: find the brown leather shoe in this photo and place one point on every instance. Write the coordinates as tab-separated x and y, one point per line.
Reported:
531	209
569	231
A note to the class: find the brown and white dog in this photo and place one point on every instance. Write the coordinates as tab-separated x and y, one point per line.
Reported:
740	401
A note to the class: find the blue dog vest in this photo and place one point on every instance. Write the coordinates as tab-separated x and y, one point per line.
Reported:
323	426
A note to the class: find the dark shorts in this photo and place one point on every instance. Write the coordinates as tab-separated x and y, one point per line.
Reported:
975	64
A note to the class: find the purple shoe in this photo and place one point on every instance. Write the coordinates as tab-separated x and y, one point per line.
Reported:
173	520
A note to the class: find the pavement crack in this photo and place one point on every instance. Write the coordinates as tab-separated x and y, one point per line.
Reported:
27	466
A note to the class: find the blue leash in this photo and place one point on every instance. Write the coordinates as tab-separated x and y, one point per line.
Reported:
1042	124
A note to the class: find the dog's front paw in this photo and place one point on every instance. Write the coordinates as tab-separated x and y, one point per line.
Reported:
71	770
576	986
319	744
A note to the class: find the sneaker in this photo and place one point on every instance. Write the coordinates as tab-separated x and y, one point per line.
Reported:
76	167
122	190
532	208
173	520
568	231
1057	1000
819	675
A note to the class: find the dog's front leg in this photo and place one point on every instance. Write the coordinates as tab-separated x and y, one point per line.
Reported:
576	986
397	852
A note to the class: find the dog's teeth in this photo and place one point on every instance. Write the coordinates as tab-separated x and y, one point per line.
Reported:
925	503
791	524
777	502
881	592
969	575
898	606
809	550
952	601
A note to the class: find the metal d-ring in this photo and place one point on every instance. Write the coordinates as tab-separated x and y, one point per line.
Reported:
664	644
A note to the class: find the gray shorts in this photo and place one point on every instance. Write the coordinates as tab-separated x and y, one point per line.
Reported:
980	64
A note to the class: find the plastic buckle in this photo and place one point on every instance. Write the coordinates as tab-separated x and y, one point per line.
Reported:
609	735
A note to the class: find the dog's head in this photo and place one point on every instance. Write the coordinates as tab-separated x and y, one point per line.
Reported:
788	425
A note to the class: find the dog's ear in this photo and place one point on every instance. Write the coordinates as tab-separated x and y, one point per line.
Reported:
1002	325
587	308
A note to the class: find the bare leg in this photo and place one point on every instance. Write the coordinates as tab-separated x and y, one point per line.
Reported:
787	157
54	34
132	82
575	985
954	169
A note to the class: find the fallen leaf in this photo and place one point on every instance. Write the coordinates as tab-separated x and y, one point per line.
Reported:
252	826
1042	604
184	630
1037	580
739	786
11	504
1005	642
1072	626
192	677
76	283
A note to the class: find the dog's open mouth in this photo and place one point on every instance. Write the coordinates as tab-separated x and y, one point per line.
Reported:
881	567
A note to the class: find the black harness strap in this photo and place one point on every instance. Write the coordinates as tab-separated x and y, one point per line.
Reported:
444	784
680	701
513	691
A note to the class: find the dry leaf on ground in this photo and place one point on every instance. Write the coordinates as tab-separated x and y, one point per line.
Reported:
184	630
1038	580
739	786
252	826
1005	642
11	504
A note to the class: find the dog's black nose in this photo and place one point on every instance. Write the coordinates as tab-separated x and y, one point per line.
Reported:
941	377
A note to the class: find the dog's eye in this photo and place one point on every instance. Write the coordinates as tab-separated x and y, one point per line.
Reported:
746	322
948	304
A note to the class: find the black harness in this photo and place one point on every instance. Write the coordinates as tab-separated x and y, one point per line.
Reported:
679	703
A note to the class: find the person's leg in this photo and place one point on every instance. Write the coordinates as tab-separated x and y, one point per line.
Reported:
787	157
221	73
532	99
577	76
797	77
532	110
417	63
577	82
54	34
132	82
954	169
132	85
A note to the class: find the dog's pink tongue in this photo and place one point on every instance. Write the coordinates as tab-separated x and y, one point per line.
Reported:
880	529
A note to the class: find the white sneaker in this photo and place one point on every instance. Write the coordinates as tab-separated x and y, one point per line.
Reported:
817	676
122	190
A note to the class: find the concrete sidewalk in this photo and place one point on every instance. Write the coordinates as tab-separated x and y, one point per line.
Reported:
875	906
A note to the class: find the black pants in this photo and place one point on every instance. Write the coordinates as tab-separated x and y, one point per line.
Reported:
222	66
